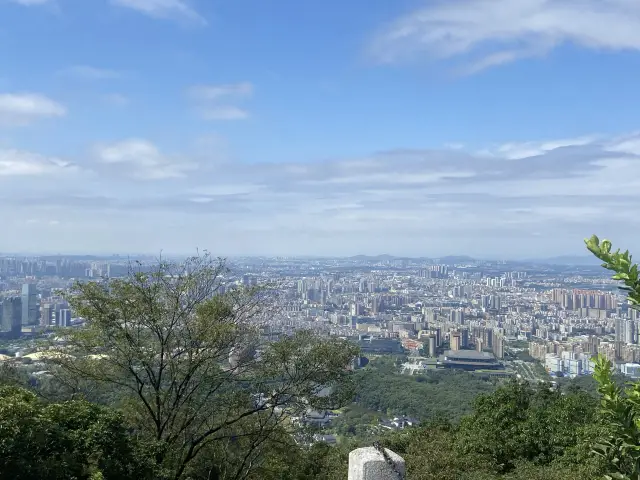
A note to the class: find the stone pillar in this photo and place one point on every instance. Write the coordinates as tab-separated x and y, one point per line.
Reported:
370	464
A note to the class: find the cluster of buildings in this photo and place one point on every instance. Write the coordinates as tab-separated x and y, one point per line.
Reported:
25	310
432	308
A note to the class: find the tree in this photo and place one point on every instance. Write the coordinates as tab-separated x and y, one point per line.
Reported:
195	374
522	423
621	264
619	406
71	440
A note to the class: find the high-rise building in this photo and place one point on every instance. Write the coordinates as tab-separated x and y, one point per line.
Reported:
464	338
485	301
64	317
498	346
432	345
12	315
630	331
488	338
375	305
495	302
455	341
456	316
30	308
619	330
46	314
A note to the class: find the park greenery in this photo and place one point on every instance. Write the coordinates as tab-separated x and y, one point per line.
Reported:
434	394
171	379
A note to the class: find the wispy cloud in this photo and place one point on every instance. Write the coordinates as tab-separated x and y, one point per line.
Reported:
518	150
164	9
19	109
224	113
211	100
90	73
478	34
216	92
404	201
19	163
41	222
143	160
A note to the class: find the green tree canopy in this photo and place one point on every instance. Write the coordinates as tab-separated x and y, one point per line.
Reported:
71	440
194	372
620	406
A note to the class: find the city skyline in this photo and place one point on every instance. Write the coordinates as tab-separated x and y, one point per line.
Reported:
494	129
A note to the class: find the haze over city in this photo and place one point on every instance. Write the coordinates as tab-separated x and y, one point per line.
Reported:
496	129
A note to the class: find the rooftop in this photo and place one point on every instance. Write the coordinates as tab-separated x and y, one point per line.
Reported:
469	355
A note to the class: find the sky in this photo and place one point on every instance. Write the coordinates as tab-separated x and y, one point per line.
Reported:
494	128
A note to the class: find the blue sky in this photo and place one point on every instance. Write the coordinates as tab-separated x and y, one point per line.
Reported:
501	128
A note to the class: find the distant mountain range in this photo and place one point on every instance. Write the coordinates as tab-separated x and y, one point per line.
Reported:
449	259
578	260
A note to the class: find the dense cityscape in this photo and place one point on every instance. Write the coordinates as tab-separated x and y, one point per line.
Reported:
442	313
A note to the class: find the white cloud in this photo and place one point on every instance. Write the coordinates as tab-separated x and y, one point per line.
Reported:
208	97
479	34
406	202
20	163
144	160
454	146
166	9
20	109
518	150
390	177
91	73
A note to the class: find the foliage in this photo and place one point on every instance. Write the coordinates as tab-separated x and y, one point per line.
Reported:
318	462
437	393
517	432
523	423
356	421
621	264
191	369
430	453
12	376
621	409
71	440
619	406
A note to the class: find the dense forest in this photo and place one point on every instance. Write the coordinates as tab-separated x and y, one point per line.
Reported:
436	394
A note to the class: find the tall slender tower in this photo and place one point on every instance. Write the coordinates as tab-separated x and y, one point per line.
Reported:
29	304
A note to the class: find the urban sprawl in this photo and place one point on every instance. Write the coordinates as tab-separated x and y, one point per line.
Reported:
534	321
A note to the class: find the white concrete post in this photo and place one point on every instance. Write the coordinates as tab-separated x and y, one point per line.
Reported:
370	464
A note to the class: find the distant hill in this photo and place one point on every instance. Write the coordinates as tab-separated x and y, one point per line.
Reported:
582	260
451	259
374	258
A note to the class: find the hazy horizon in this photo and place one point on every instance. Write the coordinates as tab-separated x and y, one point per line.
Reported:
133	255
